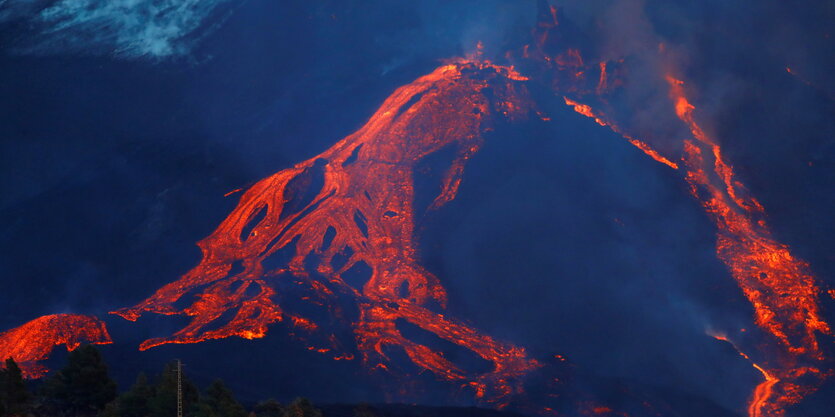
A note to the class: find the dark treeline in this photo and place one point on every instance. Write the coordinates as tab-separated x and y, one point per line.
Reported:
83	388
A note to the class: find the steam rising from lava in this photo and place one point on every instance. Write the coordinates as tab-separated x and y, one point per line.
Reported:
35	340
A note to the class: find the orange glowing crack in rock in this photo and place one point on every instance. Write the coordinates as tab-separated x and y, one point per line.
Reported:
35	340
363	214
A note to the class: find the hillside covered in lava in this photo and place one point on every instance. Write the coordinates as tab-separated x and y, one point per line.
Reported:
538	207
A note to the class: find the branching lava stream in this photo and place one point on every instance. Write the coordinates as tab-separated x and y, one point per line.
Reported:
363	212
329	246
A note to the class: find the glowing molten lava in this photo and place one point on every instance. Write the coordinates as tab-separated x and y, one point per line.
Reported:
780	287
342	225
35	340
329	246
763	391
587	111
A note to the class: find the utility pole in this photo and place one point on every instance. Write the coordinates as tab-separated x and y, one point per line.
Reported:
179	388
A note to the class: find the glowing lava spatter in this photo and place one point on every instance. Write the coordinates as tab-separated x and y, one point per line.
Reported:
35	340
352	208
780	287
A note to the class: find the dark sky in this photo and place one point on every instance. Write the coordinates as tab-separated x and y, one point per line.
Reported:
117	146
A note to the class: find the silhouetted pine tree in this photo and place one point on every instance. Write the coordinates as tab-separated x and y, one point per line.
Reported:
202	409
302	407
82	388
111	410
364	410
133	403
222	402
164	401
269	408
14	398
136	402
